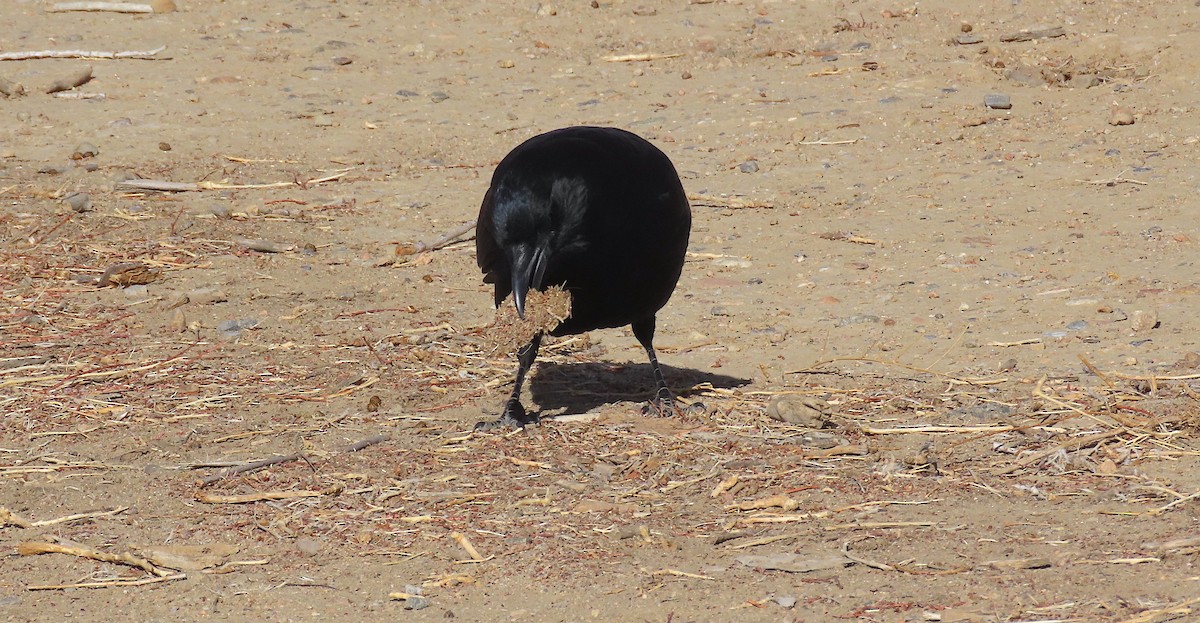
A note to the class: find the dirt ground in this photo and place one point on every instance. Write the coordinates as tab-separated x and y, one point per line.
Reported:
974	320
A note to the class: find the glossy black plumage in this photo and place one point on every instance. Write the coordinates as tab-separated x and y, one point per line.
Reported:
599	211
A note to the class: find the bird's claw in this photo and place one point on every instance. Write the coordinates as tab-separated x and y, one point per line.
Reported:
664	404
514	416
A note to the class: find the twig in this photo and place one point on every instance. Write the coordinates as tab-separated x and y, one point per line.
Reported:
1113	181
23	56
938	429
846	142
1174	611
168	186
253	466
733	203
863	561
246	498
1073	444
112	7
627	58
443	241
1032	340
465	543
32	548
8	517
369	441
1183	500
108	584
682	574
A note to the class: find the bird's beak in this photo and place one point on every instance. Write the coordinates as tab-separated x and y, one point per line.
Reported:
529	266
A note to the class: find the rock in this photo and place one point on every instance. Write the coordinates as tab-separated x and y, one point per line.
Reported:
85	150
307	546
79	202
1142	320
965	39
1083	81
798	411
749	166
997	101
233	328
1121	116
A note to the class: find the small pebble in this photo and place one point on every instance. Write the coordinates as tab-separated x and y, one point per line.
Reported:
220	210
233	328
80	202
266	246
1121	116
308	546
164	147
438	97
997	101
749	166
1142	320
1078	325
85	150
797	411
416	602
786	601
342	60
968	39
507	64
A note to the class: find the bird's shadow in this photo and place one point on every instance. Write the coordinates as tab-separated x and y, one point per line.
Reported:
574	388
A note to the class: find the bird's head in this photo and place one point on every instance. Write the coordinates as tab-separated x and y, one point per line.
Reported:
529	261
537	226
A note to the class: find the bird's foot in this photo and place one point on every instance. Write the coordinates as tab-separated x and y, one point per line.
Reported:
665	404
514	416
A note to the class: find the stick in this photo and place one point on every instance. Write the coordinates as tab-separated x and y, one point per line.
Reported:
212	498
726	202
112	7
251	467
682	574
863	561
33	548
369	441
1183	500
68	518
465	543
443	241
1074	444
24	56
1113	181
938	429
846	142
140	582
166	186
627	58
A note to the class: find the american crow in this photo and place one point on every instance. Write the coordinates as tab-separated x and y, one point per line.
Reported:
599	211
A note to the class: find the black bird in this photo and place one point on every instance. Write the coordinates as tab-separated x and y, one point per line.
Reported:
599	211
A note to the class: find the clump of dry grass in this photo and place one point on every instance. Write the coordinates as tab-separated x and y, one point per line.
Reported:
543	312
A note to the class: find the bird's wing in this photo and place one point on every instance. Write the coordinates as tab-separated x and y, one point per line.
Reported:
488	254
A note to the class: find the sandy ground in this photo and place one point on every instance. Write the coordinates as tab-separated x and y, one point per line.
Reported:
987	309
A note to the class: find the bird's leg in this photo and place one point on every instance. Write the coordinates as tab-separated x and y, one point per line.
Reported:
514	414
664	401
